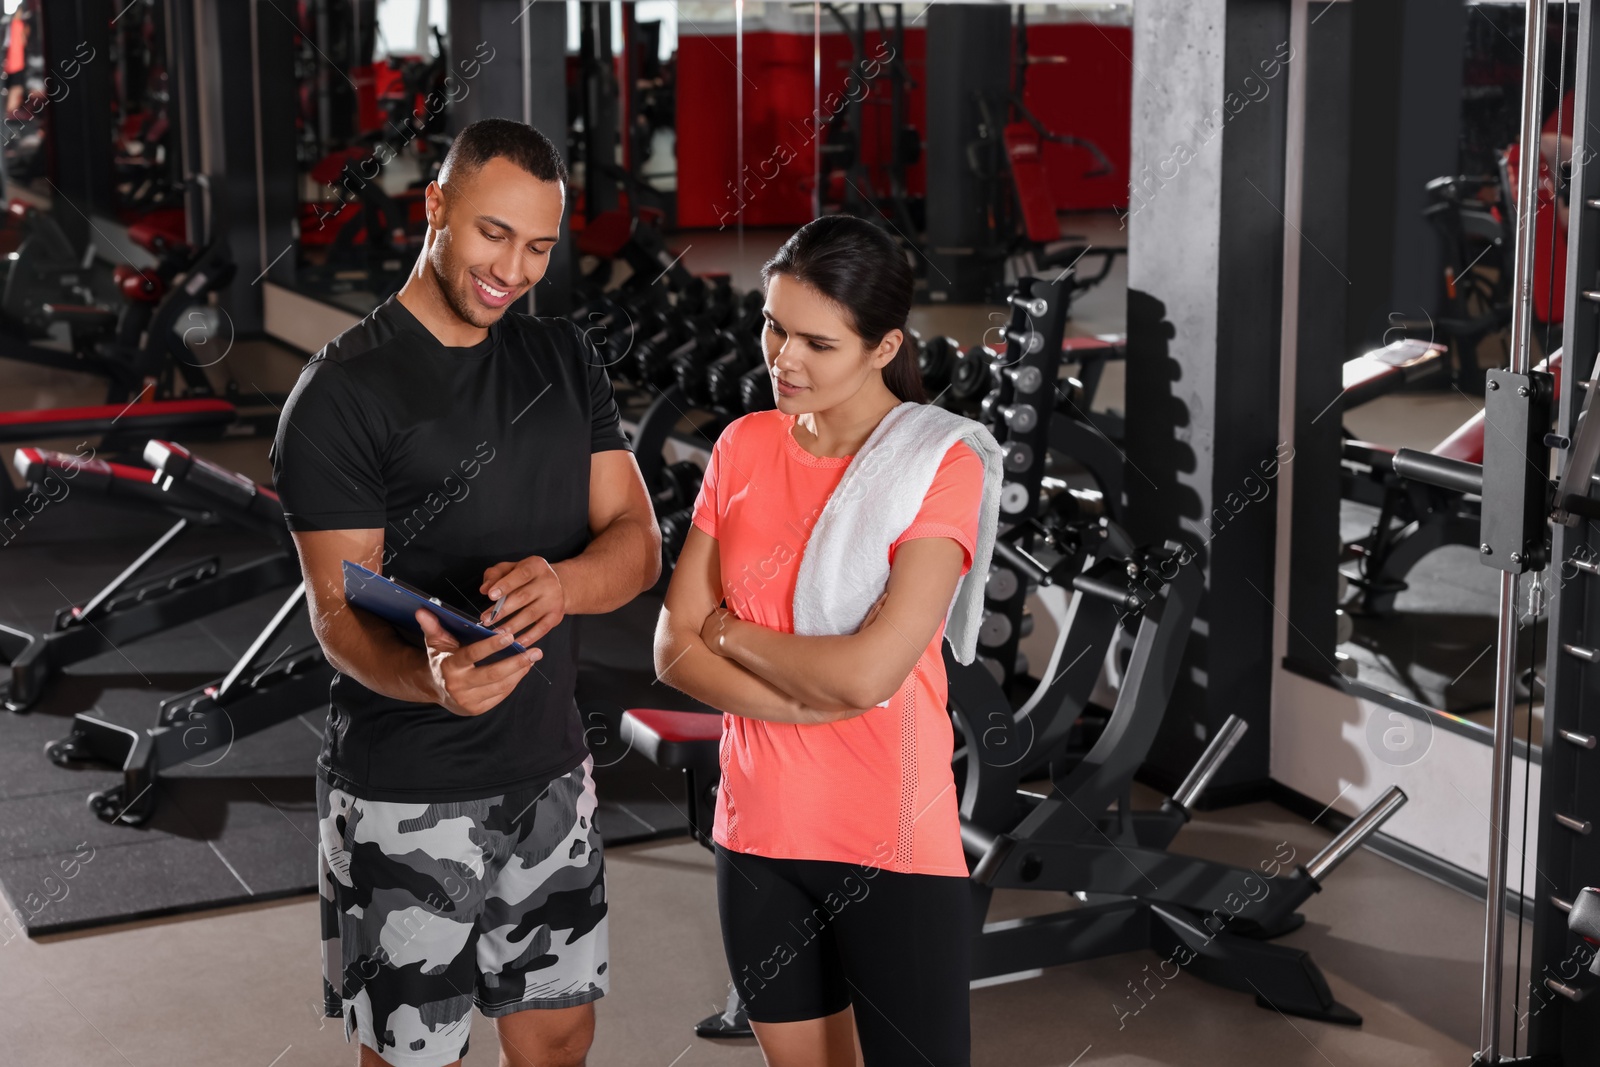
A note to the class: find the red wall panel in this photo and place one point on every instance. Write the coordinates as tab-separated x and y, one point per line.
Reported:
1089	96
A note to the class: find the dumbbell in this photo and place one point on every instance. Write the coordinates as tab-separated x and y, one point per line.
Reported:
755	389
1035	306
1027	342
693	296
936	361
674	532
748	319
911	340
1019	418
691	359
709	296
1025	380
654	357
680	483
612	328
1013	498
722	306
724	373
650	364
996	628
1070	505
1016	456
969	374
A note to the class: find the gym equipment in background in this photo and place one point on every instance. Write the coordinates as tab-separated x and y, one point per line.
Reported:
139	602
689	741
1022	235
1530	521
1413	518
250	697
137	344
1019	396
847	182
1474	232
146	172
1070	840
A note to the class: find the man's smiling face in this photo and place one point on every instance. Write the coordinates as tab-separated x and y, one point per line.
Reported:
494	228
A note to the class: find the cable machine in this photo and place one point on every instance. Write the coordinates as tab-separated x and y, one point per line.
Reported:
1531	521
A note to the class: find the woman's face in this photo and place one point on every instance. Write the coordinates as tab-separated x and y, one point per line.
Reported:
816	359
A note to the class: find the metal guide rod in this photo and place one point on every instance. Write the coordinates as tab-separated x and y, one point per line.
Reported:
1211	760
1506	643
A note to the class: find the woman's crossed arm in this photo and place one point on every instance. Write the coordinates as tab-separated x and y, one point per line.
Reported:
683	661
729	662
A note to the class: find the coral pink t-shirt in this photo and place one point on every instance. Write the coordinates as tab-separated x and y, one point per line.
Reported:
876	790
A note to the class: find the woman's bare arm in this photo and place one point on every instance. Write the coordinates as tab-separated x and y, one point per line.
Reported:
864	668
684	662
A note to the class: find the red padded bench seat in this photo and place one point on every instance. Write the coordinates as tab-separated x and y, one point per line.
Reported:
157	418
681	740
1098	341
686	741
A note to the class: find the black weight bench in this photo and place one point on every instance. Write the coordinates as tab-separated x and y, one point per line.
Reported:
251	697
1414	519
136	603
1385	370
688	741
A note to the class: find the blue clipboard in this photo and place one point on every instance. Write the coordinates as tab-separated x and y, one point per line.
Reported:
397	603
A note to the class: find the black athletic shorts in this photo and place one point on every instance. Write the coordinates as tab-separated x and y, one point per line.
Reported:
808	938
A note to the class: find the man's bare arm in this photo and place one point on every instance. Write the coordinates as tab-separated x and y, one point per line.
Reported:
622	561
368	649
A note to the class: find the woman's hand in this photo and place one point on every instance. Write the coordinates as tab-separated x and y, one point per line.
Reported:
873	612
716	627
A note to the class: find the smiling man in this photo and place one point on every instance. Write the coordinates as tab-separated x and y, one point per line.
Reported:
474	453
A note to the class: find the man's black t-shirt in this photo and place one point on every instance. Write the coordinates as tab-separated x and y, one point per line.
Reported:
465	457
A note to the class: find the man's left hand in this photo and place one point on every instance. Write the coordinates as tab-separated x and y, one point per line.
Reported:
536	602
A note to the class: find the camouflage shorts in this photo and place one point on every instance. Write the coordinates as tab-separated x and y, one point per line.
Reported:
430	910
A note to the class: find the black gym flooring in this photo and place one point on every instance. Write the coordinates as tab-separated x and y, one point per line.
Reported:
239	826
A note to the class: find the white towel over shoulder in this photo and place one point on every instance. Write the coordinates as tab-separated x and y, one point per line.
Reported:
845	564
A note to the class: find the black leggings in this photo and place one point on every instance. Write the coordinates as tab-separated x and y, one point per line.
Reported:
808	938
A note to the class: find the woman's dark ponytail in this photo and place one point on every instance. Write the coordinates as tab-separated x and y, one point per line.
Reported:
861	269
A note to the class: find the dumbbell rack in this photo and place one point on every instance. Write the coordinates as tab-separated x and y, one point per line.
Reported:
1018	411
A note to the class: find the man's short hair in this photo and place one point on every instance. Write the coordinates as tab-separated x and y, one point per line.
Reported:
516	142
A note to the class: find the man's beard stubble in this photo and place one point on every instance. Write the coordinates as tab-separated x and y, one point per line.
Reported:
458	301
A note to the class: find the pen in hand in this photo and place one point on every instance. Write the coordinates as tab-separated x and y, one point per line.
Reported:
498	604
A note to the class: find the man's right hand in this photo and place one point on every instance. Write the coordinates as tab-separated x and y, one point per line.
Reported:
461	685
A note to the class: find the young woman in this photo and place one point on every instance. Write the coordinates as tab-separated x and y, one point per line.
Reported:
840	876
